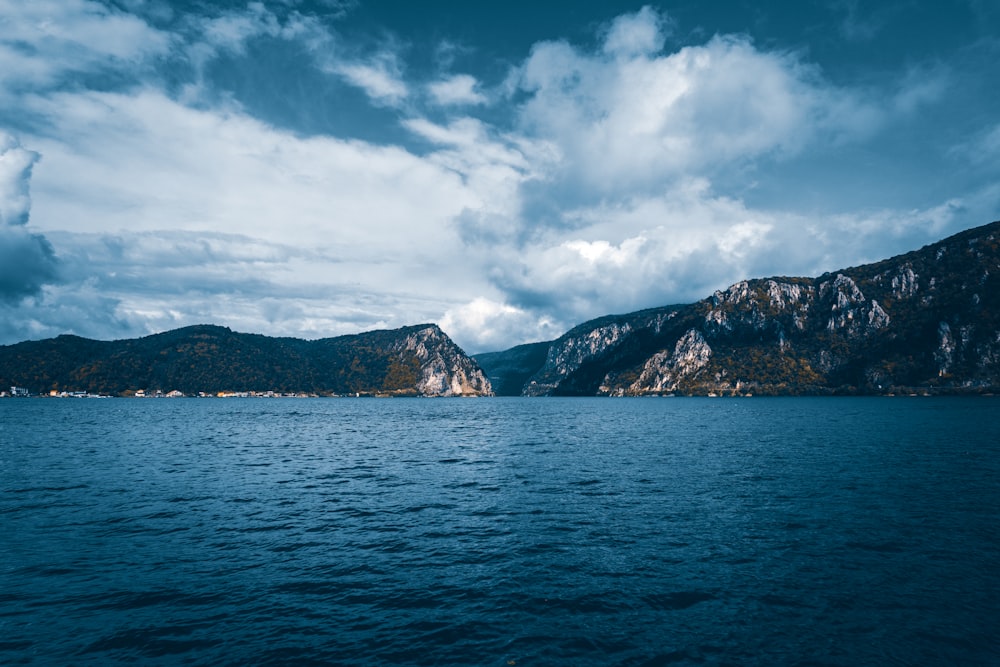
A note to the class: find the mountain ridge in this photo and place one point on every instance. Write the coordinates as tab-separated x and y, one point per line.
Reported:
418	360
925	321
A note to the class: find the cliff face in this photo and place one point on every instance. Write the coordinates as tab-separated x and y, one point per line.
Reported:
416	361
588	343
665	371
444	369
926	321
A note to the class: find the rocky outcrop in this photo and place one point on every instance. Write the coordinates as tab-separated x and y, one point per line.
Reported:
756	307
444	369
664	372
567	355
926	321
589	343
904	283
849	309
944	355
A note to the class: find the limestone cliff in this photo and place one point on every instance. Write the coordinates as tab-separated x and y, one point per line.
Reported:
589	343
444	369
664	373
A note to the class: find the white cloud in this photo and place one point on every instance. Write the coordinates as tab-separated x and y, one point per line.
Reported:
165	279
459	89
197	169
231	30
681	246
636	34
640	122
45	40
645	252
483	325
16	164
494	166
378	222
622	178
379	77
476	143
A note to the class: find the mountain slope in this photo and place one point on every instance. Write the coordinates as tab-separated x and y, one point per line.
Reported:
417	360
928	320
511	369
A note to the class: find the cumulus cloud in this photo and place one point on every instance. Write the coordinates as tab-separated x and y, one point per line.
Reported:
628	255
636	121
641	33
492	165
485	325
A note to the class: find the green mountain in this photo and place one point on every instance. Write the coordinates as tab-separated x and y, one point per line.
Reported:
417	360
927	321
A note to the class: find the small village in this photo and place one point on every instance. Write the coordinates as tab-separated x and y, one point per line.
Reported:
22	392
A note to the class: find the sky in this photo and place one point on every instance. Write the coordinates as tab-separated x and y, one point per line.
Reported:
313	168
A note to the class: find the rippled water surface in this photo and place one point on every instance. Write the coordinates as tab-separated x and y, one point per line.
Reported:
498	532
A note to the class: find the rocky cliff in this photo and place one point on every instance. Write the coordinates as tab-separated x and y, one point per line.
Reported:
445	370
927	322
413	361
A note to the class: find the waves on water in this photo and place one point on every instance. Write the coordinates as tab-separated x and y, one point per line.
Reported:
500	532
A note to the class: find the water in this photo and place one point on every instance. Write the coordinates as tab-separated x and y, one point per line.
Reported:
832	531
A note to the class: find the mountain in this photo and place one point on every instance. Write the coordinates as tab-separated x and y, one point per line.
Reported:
511	369
418	360
927	322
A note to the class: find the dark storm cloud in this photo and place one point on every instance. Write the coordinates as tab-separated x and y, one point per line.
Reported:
27	260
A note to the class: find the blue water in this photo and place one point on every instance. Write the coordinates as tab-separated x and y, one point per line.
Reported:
834	531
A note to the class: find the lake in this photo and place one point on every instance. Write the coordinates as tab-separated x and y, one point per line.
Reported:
672	531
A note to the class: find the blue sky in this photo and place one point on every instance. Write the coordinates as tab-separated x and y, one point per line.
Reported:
506	170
